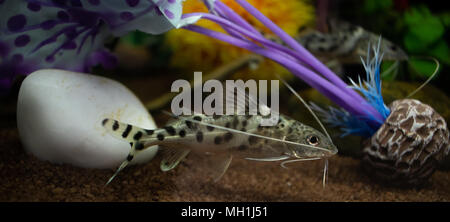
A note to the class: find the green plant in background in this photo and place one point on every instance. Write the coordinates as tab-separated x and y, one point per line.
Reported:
420	32
425	36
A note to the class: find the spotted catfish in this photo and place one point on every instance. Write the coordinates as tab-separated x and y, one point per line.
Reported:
225	136
347	43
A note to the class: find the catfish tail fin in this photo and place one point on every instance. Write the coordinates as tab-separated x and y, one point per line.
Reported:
134	135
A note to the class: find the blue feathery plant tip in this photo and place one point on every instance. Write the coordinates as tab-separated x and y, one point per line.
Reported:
371	90
373	81
344	120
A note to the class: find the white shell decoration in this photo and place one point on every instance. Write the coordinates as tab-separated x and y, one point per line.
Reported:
59	116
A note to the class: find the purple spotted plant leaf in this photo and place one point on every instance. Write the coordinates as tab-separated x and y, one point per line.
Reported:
70	34
150	16
47	34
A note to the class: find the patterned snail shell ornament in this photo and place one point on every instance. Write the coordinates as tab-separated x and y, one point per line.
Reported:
407	148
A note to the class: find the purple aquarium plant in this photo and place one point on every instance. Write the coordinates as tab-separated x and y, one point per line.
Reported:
70	34
365	115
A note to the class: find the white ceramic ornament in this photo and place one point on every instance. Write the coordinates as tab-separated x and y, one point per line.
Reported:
59	115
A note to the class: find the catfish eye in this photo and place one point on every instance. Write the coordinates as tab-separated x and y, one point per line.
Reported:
312	140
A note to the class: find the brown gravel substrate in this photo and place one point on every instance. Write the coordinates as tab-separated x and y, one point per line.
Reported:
25	178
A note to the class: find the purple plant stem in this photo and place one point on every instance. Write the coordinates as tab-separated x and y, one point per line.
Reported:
233	27
310	59
291	42
275	48
236	18
230	31
333	92
300	57
227	13
241	32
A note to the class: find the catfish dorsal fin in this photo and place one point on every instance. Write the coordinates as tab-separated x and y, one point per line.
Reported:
239	99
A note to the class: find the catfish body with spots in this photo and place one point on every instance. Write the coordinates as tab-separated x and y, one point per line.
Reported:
343	44
347	43
225	137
